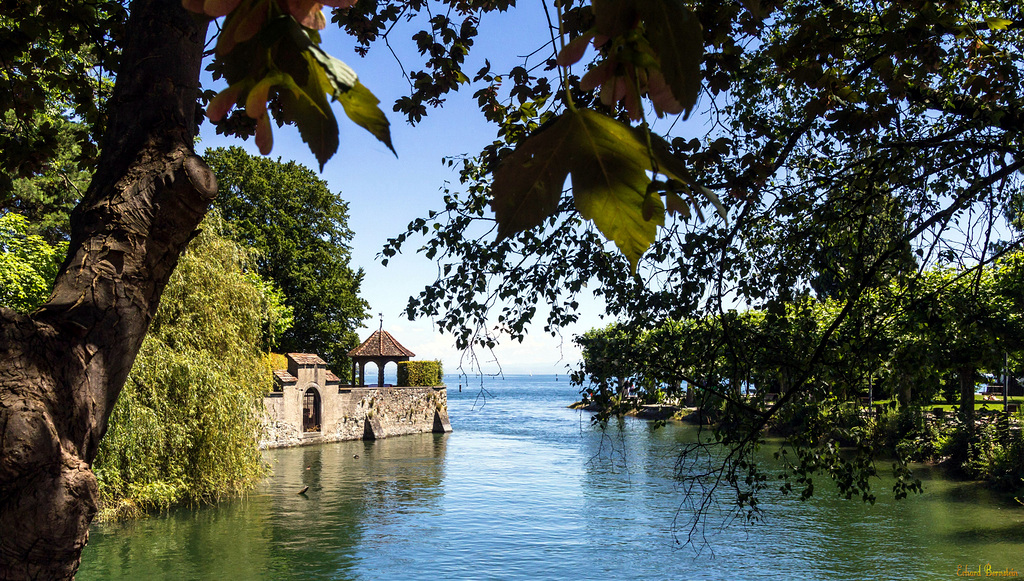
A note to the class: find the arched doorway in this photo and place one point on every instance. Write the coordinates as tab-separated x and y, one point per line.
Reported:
311	410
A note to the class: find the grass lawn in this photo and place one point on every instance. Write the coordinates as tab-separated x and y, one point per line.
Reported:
979	403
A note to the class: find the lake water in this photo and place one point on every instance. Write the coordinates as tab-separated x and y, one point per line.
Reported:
527	489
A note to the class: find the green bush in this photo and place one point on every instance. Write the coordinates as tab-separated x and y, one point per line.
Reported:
28	264
1007	465
420	373
278	361
896	424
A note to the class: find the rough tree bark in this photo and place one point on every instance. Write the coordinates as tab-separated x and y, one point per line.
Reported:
63	367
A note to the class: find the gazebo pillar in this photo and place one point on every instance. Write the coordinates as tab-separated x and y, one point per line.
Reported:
380	372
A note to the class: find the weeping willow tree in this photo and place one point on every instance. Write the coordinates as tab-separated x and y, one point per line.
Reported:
186	427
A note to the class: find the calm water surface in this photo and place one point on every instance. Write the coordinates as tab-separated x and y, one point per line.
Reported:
527	489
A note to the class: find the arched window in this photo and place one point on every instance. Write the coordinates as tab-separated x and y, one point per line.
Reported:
311	410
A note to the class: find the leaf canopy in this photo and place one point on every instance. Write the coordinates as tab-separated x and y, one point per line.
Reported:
291	69
610	164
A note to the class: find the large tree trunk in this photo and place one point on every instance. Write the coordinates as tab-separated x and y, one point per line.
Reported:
63	367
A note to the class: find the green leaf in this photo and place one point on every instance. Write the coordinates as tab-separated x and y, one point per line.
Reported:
995	23
713	199
341	76
343	84
361	107
673	167
529	182
601	131
610	165
675	204
609	181
307	107
676	36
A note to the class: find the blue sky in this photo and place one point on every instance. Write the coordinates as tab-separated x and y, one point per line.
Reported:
385	193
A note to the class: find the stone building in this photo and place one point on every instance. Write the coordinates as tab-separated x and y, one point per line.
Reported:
309	404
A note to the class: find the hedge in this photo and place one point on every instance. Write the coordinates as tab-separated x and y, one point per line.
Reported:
420	373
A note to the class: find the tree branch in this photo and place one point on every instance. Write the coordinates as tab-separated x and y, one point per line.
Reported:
1006	118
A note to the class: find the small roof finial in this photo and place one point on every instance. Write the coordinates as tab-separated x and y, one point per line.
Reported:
381	315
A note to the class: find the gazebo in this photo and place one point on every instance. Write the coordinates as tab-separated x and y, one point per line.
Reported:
380	348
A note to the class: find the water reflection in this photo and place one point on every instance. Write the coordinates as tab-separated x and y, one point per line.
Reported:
355	490
180	545
826	536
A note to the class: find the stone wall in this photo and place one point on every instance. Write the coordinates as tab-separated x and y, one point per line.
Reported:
277	432
352	413
396	411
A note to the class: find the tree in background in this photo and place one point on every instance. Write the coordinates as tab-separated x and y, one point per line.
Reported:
969	321
187	425
299	229
28	264
47	196
609	360
56	60
949	325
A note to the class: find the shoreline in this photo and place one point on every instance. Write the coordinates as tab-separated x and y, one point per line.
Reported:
655	412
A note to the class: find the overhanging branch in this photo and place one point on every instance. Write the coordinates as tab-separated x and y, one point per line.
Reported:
1008	118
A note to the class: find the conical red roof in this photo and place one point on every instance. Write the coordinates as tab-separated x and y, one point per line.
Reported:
381	344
